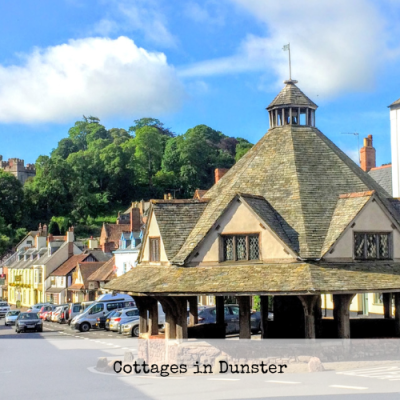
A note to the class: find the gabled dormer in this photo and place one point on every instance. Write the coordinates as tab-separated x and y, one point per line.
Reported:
248	231
362	229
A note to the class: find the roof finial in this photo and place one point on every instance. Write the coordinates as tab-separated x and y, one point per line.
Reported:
286	47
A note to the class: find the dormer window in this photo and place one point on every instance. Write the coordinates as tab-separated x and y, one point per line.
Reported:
372	246
155	249
241	247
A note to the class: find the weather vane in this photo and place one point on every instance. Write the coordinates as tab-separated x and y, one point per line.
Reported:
286	47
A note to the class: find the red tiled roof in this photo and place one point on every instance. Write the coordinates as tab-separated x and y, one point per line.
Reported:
76	286
114	231
88	268
69	265
104	273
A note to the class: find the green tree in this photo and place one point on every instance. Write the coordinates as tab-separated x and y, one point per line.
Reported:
12	197
152	122
242	148
148	153
65	147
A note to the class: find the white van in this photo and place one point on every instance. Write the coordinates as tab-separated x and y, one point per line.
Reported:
105	303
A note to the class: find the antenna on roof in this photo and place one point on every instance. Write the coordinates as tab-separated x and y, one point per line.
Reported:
358	142
286	47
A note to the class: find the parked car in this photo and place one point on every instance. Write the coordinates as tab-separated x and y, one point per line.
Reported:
57	312
104	304
43	312
36	307
123	316
131	328
63	316
101	321
4	308
26	321
73	311
109	316
11	317
50	313
231	312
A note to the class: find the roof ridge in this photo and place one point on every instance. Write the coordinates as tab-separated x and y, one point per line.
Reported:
356	194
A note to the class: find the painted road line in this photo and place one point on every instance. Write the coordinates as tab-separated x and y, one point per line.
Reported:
284	382
349	387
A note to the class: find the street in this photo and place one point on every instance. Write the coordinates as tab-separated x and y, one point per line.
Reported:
60	363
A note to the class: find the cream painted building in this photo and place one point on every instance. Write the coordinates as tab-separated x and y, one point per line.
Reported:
32	266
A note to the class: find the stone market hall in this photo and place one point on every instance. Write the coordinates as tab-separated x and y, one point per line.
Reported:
295	219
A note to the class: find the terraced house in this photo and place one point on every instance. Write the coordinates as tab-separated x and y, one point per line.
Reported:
295	219
32	266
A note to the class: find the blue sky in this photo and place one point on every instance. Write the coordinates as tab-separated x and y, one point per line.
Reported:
214	62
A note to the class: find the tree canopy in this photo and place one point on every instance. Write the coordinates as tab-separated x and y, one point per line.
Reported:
94	171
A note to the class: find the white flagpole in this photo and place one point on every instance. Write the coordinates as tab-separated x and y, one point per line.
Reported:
290	65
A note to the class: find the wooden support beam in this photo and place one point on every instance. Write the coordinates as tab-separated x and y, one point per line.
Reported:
220	310
193	310
308	303
153	317
181	317
341	314
397	313
244	317
264	316
387	305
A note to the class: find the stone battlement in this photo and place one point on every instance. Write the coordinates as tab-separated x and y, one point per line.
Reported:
16	166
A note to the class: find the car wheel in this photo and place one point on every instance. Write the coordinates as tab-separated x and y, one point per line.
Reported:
5	324
85	327
39	330
17	330
135	331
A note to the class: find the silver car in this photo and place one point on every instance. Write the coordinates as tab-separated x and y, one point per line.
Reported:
122	316
131	328
11	317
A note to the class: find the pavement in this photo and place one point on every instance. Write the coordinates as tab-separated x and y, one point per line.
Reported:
60	363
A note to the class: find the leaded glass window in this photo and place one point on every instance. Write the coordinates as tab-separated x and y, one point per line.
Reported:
254	251
228	248
372	246
240	247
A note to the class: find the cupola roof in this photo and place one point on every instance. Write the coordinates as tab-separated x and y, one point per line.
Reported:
291	95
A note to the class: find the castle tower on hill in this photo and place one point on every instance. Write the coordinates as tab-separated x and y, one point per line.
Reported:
18	168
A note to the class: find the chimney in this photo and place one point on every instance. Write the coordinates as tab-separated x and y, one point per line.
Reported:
135	219
93	243
45	230
70	235
165	196
219	173
367	155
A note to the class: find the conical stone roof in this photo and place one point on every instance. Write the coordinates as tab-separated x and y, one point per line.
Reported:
301	173
292	95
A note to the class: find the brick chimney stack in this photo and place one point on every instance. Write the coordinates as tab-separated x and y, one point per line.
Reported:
135	219
219	173
367	155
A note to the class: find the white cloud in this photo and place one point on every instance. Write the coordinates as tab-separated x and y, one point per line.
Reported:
140	16
96	76
336	45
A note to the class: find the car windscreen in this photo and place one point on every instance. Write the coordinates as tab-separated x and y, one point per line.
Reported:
96	308
3	304
13	313
26	316
132	313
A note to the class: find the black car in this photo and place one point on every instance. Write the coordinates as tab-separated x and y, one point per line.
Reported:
26	321
101	321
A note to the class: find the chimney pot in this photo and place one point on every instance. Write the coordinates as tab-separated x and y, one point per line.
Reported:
367	155
219	173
